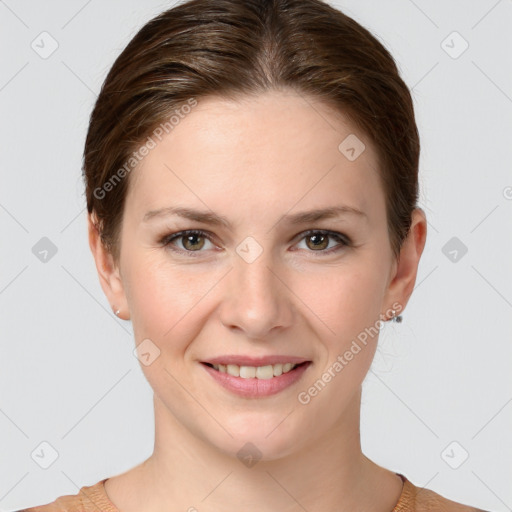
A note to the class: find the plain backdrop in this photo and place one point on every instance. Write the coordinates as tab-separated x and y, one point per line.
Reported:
437	403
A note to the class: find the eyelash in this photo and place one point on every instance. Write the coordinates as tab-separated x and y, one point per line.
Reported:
168	239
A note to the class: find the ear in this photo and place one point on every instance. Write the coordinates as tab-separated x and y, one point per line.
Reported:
403	279
108	273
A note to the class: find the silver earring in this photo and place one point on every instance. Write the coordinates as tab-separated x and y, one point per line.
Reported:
395	318
117	312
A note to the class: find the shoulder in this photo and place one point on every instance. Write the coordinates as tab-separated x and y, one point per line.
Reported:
420	499
90	498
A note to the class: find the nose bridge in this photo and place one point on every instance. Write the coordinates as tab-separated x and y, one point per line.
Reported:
254	273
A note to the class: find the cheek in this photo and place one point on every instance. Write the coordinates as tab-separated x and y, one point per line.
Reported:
165	299
346	303
163	302
346	299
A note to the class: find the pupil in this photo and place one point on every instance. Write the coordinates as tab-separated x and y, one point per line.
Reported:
189	243
318	240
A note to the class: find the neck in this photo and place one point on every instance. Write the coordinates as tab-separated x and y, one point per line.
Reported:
327	473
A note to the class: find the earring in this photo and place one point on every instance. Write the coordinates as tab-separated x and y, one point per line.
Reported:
395	318
117	311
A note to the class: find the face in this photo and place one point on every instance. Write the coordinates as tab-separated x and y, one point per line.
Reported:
257	277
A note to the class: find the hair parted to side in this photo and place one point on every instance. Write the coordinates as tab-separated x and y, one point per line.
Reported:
231	48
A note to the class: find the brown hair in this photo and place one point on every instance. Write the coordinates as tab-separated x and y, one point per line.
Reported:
240	47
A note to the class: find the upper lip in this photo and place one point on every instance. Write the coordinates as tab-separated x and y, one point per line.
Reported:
255	361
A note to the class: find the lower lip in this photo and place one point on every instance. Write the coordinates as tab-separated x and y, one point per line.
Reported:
255	388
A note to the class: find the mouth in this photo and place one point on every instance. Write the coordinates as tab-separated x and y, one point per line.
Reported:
265	372
257	381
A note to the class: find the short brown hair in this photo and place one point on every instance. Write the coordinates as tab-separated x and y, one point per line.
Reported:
230	47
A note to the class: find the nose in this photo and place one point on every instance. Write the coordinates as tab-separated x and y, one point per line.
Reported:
256	300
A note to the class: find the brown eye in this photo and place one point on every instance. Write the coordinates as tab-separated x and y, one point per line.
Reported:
318	241
191	243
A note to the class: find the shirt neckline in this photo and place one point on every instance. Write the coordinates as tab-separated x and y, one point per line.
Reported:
402	505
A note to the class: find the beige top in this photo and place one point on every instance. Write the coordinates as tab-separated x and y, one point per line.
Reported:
93	498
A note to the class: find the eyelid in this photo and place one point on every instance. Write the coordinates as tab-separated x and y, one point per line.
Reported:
167	240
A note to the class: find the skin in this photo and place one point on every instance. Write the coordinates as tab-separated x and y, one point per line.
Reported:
254	160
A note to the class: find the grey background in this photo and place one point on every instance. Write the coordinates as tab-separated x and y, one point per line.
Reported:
68	376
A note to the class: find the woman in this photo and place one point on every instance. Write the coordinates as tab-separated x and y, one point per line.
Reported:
251	172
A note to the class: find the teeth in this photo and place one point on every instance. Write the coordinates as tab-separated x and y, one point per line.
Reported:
251	372
287	367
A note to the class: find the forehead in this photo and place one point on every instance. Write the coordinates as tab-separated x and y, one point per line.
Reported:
272	149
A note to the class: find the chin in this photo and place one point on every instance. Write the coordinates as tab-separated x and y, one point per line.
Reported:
259	436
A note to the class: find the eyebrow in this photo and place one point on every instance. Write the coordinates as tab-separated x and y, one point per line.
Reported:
219	220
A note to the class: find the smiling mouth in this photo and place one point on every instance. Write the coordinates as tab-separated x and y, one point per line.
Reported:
259	372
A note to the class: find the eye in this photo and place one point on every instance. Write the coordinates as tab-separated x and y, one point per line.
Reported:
318	241
192	240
